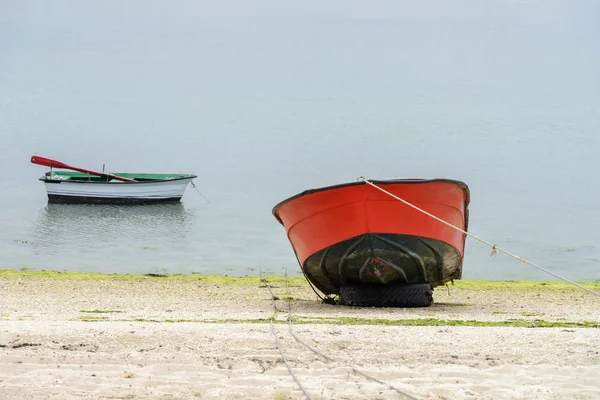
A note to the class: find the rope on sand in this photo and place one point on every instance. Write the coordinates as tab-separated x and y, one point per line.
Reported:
493	246
283	357
354	369
328	358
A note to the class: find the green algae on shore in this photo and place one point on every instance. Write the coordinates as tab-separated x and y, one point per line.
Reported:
299	320
214	279
522	285
295	281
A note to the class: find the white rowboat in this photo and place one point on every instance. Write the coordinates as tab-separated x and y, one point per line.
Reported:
76	187
87	186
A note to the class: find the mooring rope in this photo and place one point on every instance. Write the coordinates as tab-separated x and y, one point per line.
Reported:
288	364
281	352
194	186
493	246
354	369
327	299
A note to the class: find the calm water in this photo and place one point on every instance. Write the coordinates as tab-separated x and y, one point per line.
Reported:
265	101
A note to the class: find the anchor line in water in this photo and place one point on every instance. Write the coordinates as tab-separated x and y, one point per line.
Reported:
328	358
194	186
495	248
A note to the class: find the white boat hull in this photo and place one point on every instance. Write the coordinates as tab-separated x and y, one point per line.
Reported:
62	191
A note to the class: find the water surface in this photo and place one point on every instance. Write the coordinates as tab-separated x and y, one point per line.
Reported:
266	100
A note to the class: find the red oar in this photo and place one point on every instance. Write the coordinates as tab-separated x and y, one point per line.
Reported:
57	164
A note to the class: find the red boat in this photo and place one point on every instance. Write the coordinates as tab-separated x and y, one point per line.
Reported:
359	242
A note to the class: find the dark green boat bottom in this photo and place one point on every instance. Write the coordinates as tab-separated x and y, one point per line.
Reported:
53	198
382	259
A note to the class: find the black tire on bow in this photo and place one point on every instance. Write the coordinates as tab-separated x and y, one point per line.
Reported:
403	295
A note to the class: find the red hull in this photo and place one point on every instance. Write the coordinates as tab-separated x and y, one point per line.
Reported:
319	219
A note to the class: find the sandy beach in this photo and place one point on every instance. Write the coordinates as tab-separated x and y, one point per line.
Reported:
77	336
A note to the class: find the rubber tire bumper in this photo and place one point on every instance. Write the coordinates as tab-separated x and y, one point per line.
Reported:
403	295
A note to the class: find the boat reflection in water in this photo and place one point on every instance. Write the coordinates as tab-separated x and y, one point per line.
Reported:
109	238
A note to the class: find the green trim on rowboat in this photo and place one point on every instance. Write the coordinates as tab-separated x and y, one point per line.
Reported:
82	176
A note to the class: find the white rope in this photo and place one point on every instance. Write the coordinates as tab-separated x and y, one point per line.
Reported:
493	246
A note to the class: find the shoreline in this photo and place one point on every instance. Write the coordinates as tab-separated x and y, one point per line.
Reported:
72	336
240	280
